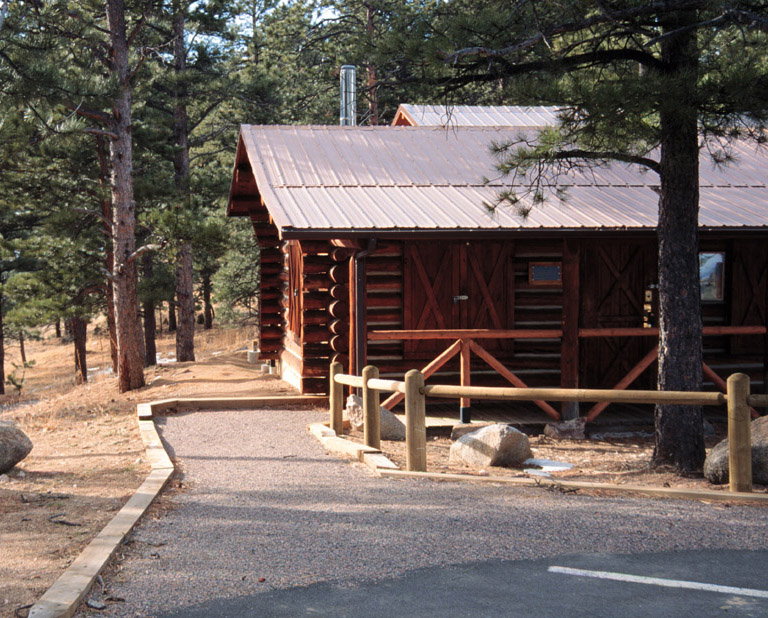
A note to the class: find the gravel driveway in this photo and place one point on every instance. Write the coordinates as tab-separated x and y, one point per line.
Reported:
265	509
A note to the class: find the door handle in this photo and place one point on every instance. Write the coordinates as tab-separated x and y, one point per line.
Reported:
456	299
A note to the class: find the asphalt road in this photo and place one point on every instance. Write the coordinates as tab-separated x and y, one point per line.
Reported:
542	589
270	525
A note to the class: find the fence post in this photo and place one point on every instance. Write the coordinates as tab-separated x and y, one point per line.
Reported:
336	399
739	434
415	422
371	415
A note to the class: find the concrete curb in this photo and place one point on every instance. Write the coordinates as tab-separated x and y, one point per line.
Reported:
62	599
371	457
383	467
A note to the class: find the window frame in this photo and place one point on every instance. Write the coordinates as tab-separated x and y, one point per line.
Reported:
550	282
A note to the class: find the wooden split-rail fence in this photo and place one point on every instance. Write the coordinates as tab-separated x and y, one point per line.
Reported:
737	400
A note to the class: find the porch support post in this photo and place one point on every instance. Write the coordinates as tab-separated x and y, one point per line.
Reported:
569	346
465	410
358	318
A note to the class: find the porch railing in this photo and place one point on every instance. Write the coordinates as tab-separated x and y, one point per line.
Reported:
466	344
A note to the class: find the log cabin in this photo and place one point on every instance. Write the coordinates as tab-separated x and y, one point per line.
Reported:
378	247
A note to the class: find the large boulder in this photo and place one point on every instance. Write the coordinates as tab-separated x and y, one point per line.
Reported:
494	445
14	445
392	428
716	463
464	428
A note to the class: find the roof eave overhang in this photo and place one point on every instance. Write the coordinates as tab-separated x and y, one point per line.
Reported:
290	233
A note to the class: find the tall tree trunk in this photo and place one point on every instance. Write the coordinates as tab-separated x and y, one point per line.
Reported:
58	328
109	259
2	348
150	327
679	431
22	350
373	97
129	346
207	306
171	316
79	332
185	332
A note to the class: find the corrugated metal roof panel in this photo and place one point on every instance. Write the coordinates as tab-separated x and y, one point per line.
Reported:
430	178
479	115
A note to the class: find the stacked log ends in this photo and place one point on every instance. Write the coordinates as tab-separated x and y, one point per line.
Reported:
315	319
271	311
339	305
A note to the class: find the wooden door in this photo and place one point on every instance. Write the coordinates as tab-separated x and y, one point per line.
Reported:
429	288
614	277
488	282
452	285
749	293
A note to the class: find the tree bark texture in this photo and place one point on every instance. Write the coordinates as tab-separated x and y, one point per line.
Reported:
2	349
171	316
79	333
129	344
207	306
148	307
22	349
109	259
185	331
679	431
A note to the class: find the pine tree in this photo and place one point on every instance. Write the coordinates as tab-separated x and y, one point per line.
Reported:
639	78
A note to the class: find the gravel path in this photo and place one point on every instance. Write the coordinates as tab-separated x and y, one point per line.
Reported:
263	500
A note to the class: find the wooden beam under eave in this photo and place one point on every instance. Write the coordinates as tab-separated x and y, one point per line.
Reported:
569	347
346	243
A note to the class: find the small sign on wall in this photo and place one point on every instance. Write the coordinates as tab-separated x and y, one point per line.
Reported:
545	273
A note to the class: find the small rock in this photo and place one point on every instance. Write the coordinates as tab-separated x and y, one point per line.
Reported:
494	445
93	604
566	430
716	464
4	478
353	412
463	428
14	445
390	426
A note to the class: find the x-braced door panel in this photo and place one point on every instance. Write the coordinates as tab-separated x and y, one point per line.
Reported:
458	286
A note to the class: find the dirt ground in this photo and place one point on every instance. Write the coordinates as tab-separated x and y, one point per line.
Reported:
88	457
618	459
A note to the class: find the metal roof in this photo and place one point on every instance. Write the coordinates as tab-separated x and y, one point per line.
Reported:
345	181
474	116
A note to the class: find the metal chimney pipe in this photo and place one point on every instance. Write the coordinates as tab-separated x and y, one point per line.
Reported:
348	103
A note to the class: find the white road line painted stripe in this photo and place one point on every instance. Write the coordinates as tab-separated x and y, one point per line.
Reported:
655	581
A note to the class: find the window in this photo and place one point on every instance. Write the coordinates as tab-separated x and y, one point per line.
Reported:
711	267
544	273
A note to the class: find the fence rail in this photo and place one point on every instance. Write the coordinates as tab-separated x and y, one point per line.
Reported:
737	399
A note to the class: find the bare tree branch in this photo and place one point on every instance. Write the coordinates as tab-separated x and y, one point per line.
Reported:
93	131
